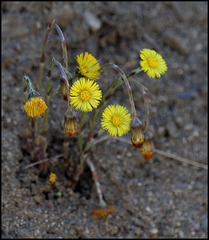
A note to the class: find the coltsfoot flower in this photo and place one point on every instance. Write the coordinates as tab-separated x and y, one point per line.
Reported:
35	106
85	95
116	119
88	66
152	63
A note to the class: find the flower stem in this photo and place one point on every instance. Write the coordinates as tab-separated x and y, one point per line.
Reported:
64	48
47	99
28	132
64	77
42	59
105	97
146	111
81	132
134	72
81	158
146	103
25	84
96	181
133	110
65	146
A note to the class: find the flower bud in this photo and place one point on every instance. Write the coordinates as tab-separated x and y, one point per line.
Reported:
63	89
52	178
137	135
147	148
70	124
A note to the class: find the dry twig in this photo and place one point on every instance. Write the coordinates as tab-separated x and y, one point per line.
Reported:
166	154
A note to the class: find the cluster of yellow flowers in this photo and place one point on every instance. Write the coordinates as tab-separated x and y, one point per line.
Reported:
82	92
86	95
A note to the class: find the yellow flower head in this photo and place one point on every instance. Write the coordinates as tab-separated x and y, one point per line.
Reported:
35	106
52	178
152	63
116	119
85	95
88	66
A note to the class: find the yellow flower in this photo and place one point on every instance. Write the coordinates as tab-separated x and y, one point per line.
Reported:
35	106
88	66
116	119
52	178
152	63
85	95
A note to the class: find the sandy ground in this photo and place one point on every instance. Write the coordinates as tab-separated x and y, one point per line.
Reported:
162	198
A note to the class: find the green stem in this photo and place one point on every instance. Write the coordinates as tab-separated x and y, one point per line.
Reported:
64	77
81	132
81	157
65	146
91	141
146	111
47	99
134	72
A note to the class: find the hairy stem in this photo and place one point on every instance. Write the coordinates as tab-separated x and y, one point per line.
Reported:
81	158
42	59
25	84
146	111
47	99
105	97
64	77
96	181
64	48
133	110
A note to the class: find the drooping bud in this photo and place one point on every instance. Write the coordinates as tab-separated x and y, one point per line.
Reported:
63	89
147	148
137	135
70	124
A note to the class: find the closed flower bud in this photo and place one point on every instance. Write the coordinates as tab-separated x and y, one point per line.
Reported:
147	148
70	125
63	89
137	135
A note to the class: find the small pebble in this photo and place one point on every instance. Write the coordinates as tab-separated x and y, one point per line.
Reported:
148	209
37	199
154	231
94	22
